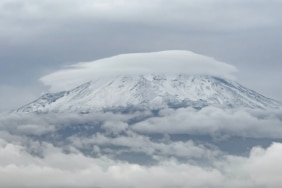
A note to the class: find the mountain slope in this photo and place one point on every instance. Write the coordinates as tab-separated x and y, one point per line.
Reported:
151	91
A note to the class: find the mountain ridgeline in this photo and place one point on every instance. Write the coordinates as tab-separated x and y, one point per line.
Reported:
127	93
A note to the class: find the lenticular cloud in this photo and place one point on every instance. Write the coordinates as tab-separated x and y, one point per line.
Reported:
164	62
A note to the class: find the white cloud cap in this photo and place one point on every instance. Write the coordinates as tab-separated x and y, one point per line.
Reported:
164	62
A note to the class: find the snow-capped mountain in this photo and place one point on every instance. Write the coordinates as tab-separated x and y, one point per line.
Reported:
151	91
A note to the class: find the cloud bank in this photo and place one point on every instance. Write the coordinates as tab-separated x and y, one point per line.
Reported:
110	150
215	121
262	168
164	62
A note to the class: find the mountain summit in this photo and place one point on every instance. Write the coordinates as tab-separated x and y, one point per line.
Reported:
140	81
151	91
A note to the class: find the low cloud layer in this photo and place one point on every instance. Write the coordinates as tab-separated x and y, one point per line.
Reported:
164	62
215	121
262	168
174	148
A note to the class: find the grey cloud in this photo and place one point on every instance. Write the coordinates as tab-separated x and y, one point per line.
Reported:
242	13
134	143
115	127
35	129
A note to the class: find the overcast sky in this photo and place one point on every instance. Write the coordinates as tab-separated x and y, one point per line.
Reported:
38	37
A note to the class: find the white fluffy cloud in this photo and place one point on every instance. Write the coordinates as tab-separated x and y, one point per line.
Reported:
168	62
262	168
57	169
265	166
179	163
215	121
